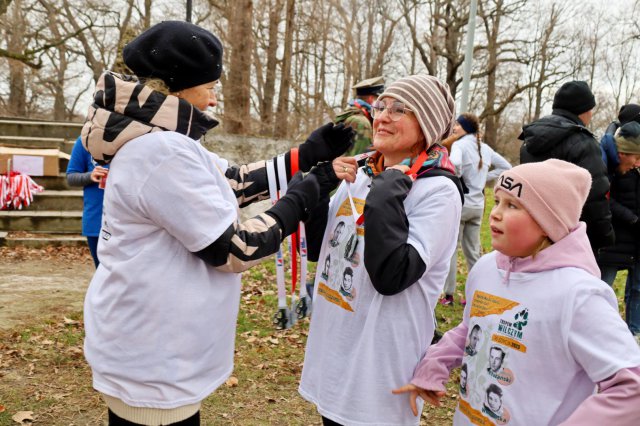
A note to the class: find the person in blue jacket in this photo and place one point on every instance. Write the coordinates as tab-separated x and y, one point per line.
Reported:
83	171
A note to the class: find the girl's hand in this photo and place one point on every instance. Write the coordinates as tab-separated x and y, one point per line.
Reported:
430	396
345	168
98	173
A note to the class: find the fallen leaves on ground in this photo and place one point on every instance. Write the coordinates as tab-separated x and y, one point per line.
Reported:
23	417
57	254
42	365
232	382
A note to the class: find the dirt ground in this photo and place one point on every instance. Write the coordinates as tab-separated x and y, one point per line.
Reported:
44	282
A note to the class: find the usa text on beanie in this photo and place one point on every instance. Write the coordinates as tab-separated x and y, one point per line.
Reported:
575	97
431	102
179	53
552	191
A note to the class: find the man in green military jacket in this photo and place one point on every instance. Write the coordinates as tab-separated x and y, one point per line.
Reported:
358	113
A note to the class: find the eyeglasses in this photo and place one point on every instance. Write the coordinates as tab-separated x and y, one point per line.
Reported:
395	110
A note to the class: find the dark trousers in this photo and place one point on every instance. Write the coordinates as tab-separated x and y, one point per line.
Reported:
327	422
93	248
114	420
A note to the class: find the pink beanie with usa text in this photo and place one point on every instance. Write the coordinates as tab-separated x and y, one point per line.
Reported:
553	193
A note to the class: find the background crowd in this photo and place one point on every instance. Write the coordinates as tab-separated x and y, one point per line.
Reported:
171	248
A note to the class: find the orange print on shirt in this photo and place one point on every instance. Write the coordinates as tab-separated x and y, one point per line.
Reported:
333	296
345	207
475	416
484	304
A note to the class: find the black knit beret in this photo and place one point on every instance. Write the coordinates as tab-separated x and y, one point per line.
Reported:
179	53
575	97
628	113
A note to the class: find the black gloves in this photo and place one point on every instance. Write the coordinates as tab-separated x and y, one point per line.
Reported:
327	178
302	195
324	144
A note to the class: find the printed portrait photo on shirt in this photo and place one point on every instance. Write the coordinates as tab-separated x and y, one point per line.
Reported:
346	288
496	359
493	402
336	236
350	250
327	267
463	380
474	338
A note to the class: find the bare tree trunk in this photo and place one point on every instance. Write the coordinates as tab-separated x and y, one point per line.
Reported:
59	104
17	93
414	49
147	13
454	30
17	86
320	93
491	129
282	125
371	20
266	107
58	80
237	87
544	55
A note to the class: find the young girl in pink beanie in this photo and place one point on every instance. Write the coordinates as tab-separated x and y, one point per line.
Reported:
551	348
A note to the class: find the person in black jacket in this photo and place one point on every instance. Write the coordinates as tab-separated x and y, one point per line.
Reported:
622	160
627	113
563	135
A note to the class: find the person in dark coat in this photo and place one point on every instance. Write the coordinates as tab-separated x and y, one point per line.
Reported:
623	158
627	114
563	135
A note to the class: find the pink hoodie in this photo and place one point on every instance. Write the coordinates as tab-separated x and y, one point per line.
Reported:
618	399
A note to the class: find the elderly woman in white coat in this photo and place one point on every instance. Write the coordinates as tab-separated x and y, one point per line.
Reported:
160	312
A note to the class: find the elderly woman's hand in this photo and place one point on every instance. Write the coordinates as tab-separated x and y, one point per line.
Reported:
345	168
324	144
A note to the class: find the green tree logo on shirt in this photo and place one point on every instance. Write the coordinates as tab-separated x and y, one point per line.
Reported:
521	319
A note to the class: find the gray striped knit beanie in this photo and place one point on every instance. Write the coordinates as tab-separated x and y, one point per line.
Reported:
431	102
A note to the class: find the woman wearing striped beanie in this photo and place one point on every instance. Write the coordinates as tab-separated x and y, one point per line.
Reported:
401	211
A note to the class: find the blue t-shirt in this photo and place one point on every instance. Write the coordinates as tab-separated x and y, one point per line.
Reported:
81	162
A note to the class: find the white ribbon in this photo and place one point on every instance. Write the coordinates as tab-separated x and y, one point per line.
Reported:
273	195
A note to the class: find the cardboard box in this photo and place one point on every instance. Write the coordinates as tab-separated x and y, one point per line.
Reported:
33	162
